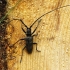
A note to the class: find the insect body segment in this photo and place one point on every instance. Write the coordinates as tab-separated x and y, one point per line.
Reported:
29	44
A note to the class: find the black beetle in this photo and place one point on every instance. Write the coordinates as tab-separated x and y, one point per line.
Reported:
28	38
29	34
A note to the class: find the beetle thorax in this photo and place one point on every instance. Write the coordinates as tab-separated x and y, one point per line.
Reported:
28	32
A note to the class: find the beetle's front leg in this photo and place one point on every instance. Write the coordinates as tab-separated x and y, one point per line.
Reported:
35	35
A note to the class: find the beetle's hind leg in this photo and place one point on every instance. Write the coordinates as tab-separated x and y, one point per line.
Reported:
22	54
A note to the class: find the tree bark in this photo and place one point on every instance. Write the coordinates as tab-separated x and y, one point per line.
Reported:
53	37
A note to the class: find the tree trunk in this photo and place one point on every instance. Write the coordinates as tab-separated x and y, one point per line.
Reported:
52	40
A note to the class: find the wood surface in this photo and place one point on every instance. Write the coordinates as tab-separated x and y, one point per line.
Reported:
53	37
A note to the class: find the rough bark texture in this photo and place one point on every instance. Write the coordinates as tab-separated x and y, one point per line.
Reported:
53	35
3	40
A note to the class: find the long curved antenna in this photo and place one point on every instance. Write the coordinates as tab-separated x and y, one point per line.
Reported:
21	22
37	26
1	20
47	13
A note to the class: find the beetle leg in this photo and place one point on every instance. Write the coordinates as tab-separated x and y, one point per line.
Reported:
17	42
36	26
23	30
36	47
35	35
22	54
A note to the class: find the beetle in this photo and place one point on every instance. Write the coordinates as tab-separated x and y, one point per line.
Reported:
29	34
28	38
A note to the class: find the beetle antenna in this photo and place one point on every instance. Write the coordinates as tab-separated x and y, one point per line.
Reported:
47	13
